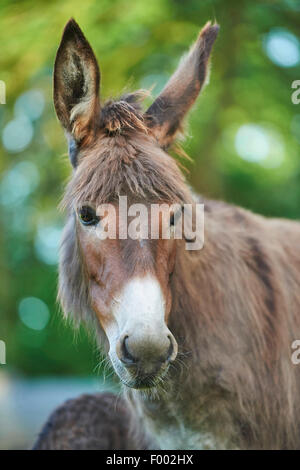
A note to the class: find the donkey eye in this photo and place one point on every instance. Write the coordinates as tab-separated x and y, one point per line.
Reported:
88	216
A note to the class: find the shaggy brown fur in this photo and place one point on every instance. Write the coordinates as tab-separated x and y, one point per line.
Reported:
90	422
233	306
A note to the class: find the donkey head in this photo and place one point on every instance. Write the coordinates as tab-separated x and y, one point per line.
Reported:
123	284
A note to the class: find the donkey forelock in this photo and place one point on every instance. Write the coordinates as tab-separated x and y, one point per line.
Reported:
125	159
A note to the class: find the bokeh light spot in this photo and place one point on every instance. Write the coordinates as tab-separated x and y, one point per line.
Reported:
30	104
34	313
18	182
251	143
47	243
256	144
17	134
154	82
282	48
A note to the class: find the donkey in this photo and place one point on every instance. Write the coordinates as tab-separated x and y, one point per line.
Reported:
201	340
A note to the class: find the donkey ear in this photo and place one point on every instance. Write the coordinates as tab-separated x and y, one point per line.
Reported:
166	114
76	84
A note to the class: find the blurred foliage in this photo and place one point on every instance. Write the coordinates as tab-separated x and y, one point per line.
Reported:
138	44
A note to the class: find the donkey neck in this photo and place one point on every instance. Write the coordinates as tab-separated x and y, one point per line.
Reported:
184	409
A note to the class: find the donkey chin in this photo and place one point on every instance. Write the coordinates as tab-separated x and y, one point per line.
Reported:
141	345
141	377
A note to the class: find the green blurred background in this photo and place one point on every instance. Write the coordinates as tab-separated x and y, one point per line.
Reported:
243	136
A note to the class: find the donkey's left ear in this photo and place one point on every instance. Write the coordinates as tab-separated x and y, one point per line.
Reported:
76	84
166	114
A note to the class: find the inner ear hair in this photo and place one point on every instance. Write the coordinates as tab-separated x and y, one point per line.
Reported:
76	83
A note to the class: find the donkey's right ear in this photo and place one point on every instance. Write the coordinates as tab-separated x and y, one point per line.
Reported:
76	84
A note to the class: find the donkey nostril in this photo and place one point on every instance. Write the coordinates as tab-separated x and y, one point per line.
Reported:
126	357
172	352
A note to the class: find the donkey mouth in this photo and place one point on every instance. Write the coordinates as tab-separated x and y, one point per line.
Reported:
143	383
146	381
